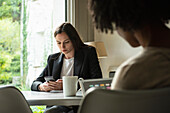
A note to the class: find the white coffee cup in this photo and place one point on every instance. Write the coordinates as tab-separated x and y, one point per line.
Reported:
70	85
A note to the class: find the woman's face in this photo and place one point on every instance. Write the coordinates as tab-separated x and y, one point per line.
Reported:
64	43
129	37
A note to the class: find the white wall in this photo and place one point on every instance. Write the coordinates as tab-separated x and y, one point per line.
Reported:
118	50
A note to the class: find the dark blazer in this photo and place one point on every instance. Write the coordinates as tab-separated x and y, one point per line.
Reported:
86	65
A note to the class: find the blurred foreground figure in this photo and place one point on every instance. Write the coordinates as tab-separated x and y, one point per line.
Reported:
140	23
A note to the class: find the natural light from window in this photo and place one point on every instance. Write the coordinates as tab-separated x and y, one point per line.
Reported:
26	38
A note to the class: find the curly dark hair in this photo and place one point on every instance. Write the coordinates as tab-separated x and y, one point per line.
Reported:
72	34
128	14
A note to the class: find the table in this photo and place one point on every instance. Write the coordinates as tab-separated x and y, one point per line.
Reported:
49	98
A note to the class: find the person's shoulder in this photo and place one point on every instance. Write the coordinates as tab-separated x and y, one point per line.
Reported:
88	48
152	55
55	55
143	61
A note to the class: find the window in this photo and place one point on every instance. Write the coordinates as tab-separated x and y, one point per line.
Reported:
26	36
43	16
9	40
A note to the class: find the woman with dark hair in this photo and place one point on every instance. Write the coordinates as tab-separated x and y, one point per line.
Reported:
75	59
140	23
72	34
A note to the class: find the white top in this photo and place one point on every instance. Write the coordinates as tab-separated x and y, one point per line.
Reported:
68	67
147	70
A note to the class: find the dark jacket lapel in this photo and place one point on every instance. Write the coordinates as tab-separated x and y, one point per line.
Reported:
57	66
78	61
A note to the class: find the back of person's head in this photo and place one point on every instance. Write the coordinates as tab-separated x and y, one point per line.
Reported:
72	34
128	14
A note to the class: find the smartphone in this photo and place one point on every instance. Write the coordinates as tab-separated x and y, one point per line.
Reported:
49	78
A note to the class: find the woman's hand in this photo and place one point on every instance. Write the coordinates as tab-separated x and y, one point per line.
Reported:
51	85
56	85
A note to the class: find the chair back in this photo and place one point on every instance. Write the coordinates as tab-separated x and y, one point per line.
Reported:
13	101
139	101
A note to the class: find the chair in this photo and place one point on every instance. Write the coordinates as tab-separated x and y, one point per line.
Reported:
13	101
139	101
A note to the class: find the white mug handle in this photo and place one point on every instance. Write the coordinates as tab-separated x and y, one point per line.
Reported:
81	81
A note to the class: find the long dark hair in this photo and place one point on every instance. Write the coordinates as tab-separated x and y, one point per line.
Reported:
72	34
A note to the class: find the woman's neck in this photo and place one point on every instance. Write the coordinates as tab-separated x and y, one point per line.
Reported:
69	55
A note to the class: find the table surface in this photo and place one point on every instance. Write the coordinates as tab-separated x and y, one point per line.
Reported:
50	98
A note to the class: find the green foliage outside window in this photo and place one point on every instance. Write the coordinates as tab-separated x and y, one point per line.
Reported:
9	48
10	12
10	8
15	65
9	36
5	79
9	40
38	109
24	33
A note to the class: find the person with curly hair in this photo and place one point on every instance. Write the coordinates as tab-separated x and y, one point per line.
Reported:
140	23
